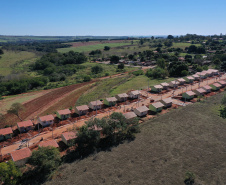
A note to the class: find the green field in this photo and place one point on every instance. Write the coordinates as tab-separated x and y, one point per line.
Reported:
10	58
183	45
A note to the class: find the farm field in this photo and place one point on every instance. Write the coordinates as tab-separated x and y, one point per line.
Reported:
10	58
190	138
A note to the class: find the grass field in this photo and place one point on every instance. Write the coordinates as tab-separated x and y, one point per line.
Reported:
91	47
10	58
190	138
183	45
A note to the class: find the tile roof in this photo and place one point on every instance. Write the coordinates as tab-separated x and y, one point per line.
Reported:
142	109
82	107
64	112
174	82
190	78
222	82
158	87
201	90
27	123
136	92
157	104
46	118
207	87
195	76
98	102
181	80
111	99
69	135
164	84
216	85
130	115
123	95
190	93
20	154
167	100
5	131
51	142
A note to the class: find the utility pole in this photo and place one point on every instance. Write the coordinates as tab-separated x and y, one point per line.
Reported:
96	107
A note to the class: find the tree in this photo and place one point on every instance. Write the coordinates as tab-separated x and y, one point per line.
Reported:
189	178
9	173
114	59
16	108
223	112
121	66
161	63
170	37
1	52
106	48
131	57
223	66
97	69
86	78
223	101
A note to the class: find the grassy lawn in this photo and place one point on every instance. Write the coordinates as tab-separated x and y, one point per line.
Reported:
91	47
10	58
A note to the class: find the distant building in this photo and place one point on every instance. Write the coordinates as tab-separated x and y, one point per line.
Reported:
95	105
63	114
200	92
156	88
68	137
181	81
215	86
173	84
167	102
110	101
164	85
133	94
156	107
207	88
189	79
49	143
122	97
188	95
130	115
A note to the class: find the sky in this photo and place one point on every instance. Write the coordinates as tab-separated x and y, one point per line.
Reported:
112	17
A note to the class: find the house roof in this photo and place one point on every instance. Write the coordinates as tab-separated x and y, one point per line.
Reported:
201	90
64	112
69	135
157	104
167	100
158	87
203	73
27	123
222	82
136	92
20	154
174	82
216	85
142	109
164	84
130	115
123	95
195	76
5	131
51	142
98	102
190	78
82	107
111	99
190	93
181	80
46	118
207	87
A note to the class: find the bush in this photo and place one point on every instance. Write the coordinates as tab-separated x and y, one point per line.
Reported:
157	73
97	69
86	78
121	66
138	72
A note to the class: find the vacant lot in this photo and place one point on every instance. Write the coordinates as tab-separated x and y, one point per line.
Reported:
191	138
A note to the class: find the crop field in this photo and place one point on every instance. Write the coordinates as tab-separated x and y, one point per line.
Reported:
190	138
10	58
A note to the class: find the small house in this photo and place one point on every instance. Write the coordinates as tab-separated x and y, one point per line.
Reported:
21	156
215	86
49	143
46	120
141	111
95	105
173	84
68	137
110	101
25	126
164	85
167	102
156	107
200	92
207	88
81	110
208	73
6	133
156	88
188	95
203	75
223	83
196	77
122	97
130	115
134	94
63	114
181	81
189	79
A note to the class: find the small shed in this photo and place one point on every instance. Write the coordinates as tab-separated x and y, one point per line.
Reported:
141	111
181	81
49	143
207	88
21	156
203	75
156	107
63	114
167	102
110	101
164	85
95	105
130	115
200	91
6	133
25	126
156	88
81	110
122	97
188	95
68	137
223	83
133	94
189	79
196	77
215	86
46	120
173	84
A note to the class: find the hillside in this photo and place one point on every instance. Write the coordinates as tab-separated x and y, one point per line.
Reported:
191	138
